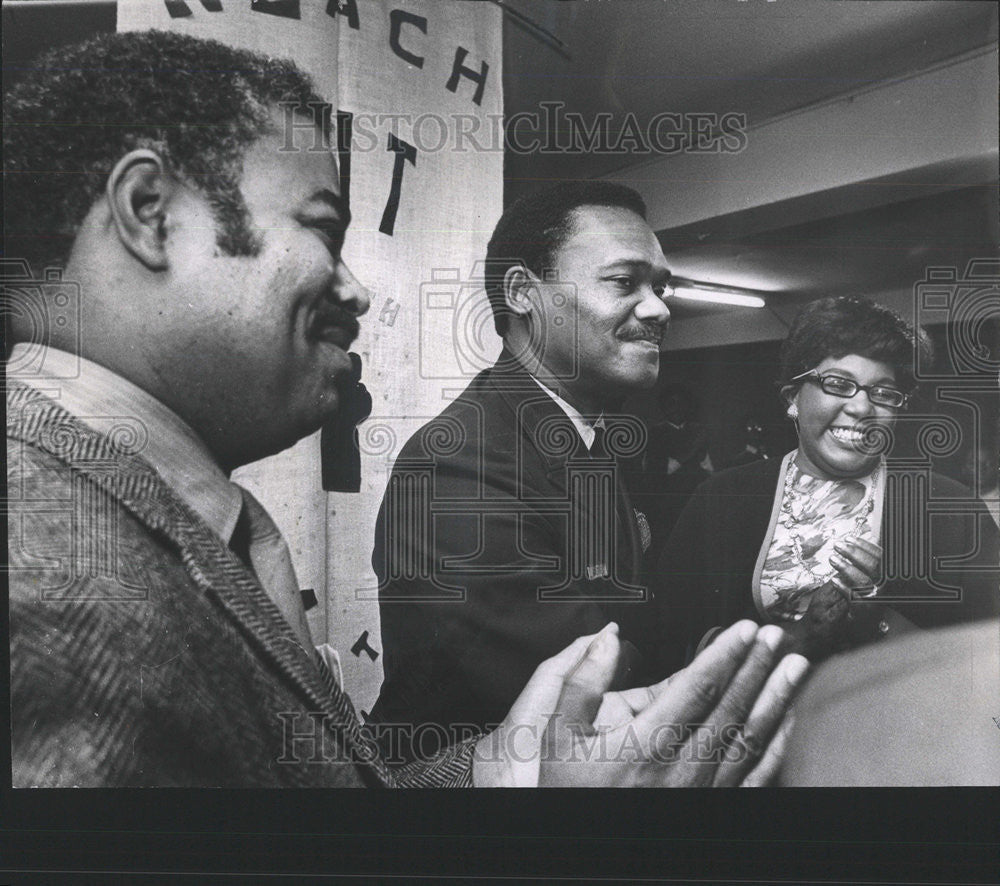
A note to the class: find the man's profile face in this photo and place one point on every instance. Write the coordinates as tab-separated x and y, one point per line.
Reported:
603	332
267	336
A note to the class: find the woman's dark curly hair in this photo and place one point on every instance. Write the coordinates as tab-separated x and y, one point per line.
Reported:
841	325
198	103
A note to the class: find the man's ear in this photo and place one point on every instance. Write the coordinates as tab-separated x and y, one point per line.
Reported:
138	191
518	291
788	393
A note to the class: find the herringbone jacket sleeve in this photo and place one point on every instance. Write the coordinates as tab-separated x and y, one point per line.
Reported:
143	652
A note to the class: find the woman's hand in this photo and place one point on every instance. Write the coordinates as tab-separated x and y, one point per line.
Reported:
859	565
827	625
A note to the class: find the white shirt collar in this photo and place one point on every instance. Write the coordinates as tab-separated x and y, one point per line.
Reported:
583	427
92	394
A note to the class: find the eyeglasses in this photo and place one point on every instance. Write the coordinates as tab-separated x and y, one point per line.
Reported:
838	386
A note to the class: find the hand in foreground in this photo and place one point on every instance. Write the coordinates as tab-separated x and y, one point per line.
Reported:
720	721
859	565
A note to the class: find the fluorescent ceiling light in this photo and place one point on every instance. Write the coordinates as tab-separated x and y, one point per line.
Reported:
717	296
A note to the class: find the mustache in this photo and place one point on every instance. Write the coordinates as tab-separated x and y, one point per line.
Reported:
653	332
331	314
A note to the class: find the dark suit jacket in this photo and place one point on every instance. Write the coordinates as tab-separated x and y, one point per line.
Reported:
482	554
705	572
143	651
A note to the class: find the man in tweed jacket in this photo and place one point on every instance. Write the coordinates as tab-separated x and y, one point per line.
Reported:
214	318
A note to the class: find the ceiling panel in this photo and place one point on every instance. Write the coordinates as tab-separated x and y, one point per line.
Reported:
749	56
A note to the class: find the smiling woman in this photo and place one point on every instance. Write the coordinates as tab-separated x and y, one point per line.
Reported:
813	542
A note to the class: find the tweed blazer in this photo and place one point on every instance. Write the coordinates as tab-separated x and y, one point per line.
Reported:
143	651
479	582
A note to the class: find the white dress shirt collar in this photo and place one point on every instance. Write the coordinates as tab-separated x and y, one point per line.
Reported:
584	427
92	394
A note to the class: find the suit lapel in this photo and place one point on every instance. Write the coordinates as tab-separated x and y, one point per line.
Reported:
537	417
540	420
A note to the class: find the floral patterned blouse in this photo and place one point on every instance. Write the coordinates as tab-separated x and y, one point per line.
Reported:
812	516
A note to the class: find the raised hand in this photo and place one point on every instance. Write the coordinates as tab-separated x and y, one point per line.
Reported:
720	721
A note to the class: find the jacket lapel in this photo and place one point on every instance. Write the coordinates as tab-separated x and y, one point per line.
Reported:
537	416
540	420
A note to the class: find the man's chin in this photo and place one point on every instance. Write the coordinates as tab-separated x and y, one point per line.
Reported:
312	417
620	388
644	359
645	376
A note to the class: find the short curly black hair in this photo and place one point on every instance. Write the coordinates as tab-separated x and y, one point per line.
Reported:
199	103
531	231
839	325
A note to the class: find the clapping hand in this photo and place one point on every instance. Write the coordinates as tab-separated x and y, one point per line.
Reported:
858	565
720	721
824	626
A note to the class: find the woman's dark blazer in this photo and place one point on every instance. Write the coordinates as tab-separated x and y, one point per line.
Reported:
940	556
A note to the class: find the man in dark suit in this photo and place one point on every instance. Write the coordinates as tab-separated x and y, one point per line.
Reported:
157	632
506	529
